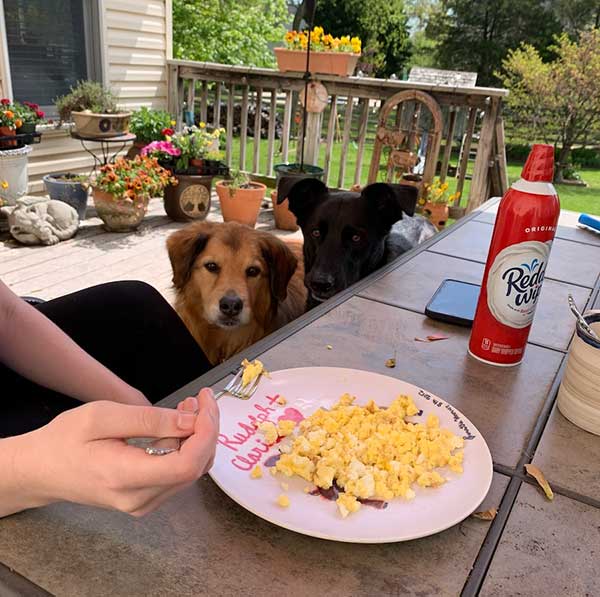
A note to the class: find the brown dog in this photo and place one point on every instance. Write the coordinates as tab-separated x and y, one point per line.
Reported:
234	285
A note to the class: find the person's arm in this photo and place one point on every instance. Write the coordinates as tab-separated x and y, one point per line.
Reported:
81	456
37	349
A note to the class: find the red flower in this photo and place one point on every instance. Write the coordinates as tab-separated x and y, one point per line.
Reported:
40	113
5	102
167	132
34	106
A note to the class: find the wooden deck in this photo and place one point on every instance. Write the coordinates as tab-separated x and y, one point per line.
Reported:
95	256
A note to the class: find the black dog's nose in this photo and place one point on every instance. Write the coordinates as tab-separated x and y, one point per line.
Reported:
231	305
322	284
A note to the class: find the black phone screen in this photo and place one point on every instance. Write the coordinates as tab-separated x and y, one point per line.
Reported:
454	302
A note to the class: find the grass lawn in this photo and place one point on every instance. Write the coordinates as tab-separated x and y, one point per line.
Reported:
579	199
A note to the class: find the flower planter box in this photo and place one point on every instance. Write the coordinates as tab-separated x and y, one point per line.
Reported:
89	124
118	213
325	63
190	199
13	172
67	187
244	205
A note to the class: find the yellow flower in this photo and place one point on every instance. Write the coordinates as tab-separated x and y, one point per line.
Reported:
173	122
345	39
444	187
4	184
202	125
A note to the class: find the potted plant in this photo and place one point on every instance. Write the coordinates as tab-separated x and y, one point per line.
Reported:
193	158
149	125
70	188
329	55
93	110
122	190
240	198
10	121
435	202
30	115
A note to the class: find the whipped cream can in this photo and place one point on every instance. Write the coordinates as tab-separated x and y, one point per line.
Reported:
516	264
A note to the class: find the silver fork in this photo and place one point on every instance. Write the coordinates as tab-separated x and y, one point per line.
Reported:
235	388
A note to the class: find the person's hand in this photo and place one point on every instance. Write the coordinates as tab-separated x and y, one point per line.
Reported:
82	456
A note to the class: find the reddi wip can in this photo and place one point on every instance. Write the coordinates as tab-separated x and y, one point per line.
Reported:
516	264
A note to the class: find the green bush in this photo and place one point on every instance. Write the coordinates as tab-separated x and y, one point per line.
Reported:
583	157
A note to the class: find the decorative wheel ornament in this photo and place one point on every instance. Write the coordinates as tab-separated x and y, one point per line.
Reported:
104	125
194	201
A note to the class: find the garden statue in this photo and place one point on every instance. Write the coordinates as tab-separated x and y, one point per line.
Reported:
39	220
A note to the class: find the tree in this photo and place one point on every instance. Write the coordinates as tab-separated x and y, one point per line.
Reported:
477	35
381	26
228	31
558	99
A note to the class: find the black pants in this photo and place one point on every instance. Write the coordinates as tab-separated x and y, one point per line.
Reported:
130	329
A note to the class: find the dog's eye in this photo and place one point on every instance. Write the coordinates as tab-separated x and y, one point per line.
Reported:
212	267
356	238
316	233
252	272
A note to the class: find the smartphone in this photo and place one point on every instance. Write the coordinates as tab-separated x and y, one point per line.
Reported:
454	302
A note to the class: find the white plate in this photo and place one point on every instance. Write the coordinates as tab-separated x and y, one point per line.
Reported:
305	389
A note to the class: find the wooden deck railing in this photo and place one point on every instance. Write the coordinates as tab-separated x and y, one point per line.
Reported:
340	139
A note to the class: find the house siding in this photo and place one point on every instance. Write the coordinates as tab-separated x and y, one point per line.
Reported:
135	45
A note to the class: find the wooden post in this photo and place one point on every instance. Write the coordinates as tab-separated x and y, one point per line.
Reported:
449	141
501	156
204	102
313	138
229	142
175	100
244	127
287	121
345	139
271	134
331	126
191	101
217	106
464	154
477	193
362	133
257	127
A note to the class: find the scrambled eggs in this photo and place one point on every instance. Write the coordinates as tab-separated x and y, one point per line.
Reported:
370	452
252	371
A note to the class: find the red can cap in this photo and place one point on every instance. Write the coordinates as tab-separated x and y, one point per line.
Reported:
539	166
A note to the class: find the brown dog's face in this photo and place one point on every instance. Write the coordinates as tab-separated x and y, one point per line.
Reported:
231	274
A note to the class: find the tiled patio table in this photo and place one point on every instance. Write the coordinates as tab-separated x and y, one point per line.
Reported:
203	543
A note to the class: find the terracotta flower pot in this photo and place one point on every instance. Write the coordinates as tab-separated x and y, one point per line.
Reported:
437	214
101	125
119	214
284	218
244	205
190	199
325	63
7	131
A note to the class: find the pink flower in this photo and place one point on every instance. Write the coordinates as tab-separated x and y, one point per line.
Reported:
40	113
160	147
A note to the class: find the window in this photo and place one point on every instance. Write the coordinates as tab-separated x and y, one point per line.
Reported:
52	44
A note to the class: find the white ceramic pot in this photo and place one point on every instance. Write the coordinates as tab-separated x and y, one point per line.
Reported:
579	393
13	172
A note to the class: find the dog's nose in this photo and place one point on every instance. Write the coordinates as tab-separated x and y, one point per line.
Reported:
231	305
322	284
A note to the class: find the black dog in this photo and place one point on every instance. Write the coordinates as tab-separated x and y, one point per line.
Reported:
348	235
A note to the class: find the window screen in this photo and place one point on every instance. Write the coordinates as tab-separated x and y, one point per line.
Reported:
46	47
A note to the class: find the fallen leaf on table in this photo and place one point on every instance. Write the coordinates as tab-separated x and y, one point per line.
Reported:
486	514
390	363
537	474
329	347
436	337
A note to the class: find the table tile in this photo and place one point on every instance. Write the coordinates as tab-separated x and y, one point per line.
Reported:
413	284
570	456
203	543
363	334
570	262
548	548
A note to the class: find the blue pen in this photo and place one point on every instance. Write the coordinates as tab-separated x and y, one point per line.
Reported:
589	221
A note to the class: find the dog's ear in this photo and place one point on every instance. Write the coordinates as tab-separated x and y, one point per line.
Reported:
281	263
389	201
304	195
183	247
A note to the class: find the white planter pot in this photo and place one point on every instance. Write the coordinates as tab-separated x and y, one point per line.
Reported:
13	170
